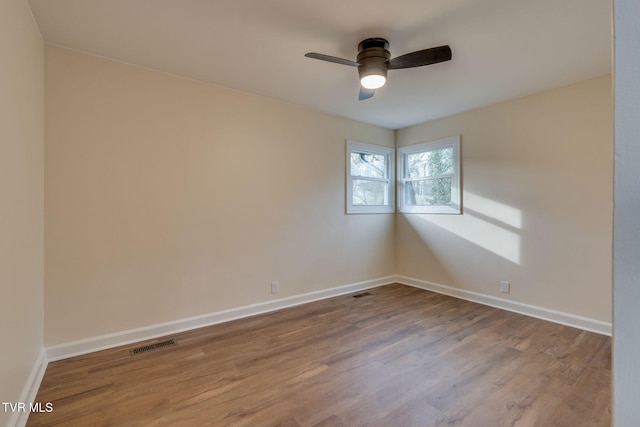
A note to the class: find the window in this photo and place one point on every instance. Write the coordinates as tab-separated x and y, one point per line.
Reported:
429	177
369	178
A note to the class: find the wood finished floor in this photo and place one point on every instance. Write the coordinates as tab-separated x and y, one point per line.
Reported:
399	357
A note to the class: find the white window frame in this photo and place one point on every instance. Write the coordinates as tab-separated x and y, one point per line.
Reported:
389	153
456	190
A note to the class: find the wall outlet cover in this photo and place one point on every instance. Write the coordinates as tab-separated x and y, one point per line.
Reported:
505	287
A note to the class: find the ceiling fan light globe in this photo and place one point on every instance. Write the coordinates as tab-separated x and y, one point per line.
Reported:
373	81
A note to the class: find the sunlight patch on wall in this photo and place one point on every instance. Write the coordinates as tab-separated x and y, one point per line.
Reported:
495	232
495	210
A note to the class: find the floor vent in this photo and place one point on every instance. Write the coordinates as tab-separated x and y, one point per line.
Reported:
150	347
364	294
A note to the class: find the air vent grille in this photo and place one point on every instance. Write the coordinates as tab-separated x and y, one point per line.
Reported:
364	294
154	346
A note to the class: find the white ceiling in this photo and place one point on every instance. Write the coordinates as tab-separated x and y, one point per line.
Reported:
502	49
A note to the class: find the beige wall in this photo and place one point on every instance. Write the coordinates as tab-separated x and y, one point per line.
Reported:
167	198
537	199
21	198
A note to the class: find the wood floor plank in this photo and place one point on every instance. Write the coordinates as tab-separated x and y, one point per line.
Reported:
399	357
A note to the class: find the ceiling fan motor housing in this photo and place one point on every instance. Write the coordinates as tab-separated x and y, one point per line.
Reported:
373	57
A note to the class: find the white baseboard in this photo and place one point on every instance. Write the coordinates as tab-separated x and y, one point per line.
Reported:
102	342
77	348
19	419
580	322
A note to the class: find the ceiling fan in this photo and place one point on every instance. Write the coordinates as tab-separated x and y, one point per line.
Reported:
373	62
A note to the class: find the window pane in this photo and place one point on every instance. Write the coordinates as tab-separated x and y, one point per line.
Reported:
369	187
367	193
369	165
430	163
428	192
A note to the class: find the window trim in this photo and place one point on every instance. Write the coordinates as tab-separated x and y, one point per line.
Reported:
456	191
389	153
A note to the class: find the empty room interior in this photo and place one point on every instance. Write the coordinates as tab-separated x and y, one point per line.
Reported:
210	218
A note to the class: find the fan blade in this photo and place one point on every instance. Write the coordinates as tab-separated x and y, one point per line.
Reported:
365	93
329	58
421	57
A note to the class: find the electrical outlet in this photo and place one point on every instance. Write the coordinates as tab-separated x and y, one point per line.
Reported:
505	287
275	287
